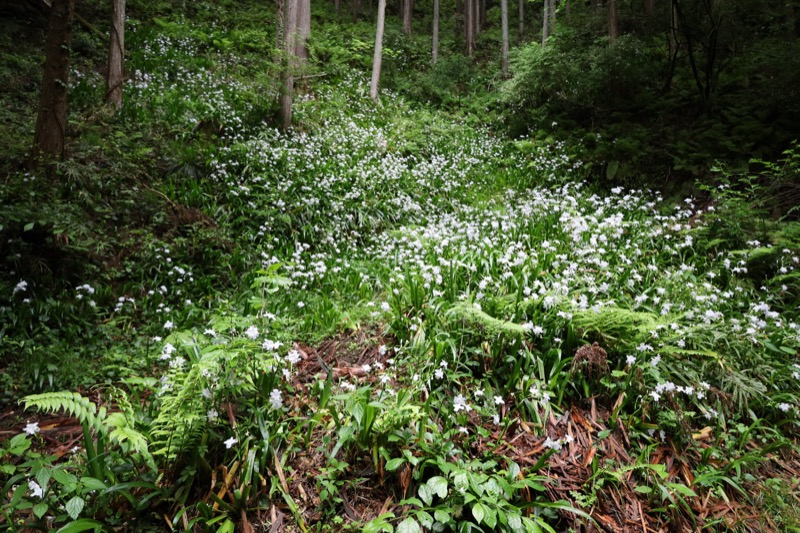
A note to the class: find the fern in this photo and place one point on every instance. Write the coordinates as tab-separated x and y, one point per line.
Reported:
493	326
617	323
116	426
73	403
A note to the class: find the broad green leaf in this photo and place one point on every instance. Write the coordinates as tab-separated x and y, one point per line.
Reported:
478	511
40	509
682	489
643	489
409	525
394	464
425	519
439	485
74	507
426	493
84	524
441	516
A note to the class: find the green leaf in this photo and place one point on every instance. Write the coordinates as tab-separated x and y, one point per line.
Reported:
40	509
426	493
409	525
439	485
643	489
227	527
682	489
425	519
490	518
478	511
441	516
91	483
394	464
74	507
65	478
84	524
43	477
28	226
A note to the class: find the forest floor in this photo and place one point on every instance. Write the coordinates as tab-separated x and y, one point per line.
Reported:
383	319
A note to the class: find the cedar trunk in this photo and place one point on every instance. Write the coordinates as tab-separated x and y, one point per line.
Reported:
116	55
303	29
521	19
613	21
289	47
51	122
408	9
376	60
435	31
504	24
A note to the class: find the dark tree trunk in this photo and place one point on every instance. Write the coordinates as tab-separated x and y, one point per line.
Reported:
435	31
613	21
408	9
521	19
504	30
116	55
51	123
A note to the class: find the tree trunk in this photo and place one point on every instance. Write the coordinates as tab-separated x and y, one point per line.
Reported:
613	21
376	59
476	18
289	47
552	13
482	15
116	55
468	24
504	25
355	10
51	122
545	22
649	7
303	29
521	19
408	7
435	31
791	20
338	5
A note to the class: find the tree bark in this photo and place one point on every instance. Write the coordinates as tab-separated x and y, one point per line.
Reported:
545	22
51	123
355	10
613	21
408	9
504	25
476	18
303	29
482	13
338	5
469	25
289	48
649	7
435	31
116	55
521	19
376	59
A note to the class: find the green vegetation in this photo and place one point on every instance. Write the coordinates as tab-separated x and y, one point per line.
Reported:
396	315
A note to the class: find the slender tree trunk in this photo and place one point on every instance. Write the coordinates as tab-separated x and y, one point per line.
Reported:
338	6
521	19
51	123
552	13
476	18
116	55
649	7
613	21
468	23
355	10
289	48
408	9
435	31
303	29
504	25
482	16
376	59
545	22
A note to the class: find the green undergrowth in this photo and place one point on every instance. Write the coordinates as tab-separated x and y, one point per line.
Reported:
384	319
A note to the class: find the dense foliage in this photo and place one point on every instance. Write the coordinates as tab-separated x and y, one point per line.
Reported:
395	316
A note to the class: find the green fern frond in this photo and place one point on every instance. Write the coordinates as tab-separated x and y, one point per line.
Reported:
71	402
617	323
493	326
